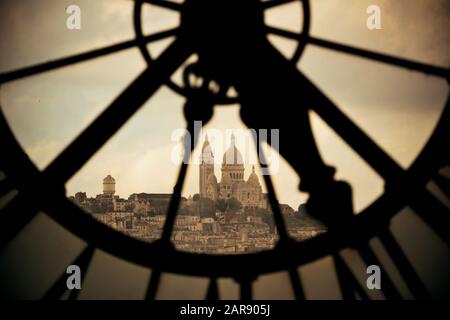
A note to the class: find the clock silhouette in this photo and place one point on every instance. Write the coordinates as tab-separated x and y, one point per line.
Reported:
272	93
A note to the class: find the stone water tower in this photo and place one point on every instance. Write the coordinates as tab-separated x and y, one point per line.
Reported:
109	186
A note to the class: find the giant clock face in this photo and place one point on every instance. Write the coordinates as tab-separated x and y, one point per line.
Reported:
353	87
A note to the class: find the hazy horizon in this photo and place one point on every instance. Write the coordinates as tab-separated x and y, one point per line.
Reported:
396	107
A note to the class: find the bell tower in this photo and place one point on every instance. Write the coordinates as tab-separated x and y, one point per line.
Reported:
206	167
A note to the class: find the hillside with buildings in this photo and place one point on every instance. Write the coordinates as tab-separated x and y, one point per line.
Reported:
230	216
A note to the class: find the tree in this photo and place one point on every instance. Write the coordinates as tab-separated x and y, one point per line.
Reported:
160	206
196	197
234	204
302	211
207	207
266	217
221	205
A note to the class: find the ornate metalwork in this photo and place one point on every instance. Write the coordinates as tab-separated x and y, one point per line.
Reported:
237	55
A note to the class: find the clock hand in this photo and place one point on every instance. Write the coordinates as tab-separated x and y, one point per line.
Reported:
275	95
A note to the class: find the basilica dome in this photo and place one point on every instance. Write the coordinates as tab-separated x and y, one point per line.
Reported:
232	155
253	178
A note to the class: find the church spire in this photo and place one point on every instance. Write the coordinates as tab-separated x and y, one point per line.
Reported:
207	155
233	139
206	143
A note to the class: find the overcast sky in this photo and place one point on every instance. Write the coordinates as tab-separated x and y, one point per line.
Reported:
397	108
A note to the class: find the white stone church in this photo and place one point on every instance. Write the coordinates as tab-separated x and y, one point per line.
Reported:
232	184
